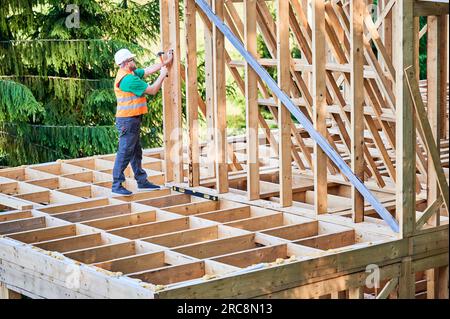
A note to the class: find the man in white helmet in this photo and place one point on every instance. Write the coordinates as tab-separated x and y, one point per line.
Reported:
130	90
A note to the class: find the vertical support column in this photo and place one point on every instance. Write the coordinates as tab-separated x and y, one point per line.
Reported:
405	128
220	114
357	9
407	280
319	104
192	92
209	101
433	103
251	92
173	144
284	123
433	109
443	70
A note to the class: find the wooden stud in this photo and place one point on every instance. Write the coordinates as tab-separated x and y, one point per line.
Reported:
405	129
172	93
220	114
284	127
192	93
357	9
251	93
319	89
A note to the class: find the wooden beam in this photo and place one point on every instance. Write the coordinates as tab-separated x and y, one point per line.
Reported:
284	125
192	93
357	9
251	93
430	8
173	144
220	114
405	128
319	94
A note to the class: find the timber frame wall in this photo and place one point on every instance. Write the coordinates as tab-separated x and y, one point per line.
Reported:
287	224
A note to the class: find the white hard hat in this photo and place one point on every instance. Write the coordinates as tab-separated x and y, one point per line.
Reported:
122	55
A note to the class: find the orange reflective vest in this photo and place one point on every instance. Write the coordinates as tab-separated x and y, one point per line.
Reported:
128	104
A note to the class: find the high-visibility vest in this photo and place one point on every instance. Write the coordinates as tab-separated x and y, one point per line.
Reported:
128	104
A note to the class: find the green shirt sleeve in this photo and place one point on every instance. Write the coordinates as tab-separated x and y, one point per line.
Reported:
134	83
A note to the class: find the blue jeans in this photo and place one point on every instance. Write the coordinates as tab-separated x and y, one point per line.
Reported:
129	151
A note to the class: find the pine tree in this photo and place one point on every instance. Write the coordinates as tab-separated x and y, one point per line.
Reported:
56	82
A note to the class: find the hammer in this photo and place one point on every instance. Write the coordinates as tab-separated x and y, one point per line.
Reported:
160	55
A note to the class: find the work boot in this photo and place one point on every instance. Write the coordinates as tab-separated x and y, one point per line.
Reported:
121	191
147	186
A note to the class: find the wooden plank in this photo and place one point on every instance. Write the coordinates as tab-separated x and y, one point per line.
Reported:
228	214
251	93
357	9
218	247
186	237
22	225
192	93
122	220
102	253
135	263
319	93
71	243
329	241
151	229
220	114
258	223
173	274
430	8
255	256
293	232
48	233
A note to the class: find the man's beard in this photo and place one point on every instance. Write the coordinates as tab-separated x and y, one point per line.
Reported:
133	68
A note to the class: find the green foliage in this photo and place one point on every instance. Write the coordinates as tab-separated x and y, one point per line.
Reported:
17	103
64	106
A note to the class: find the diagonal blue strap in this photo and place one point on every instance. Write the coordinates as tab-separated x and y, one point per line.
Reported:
301	118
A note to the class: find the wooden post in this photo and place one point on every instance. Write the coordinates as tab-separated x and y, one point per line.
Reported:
192	92
284	126
220	114
319	104
209	101
407	280
434	51
173	144
251	93
405	128
357	9
443	70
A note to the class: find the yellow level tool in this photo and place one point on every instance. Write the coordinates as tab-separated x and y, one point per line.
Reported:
194	193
